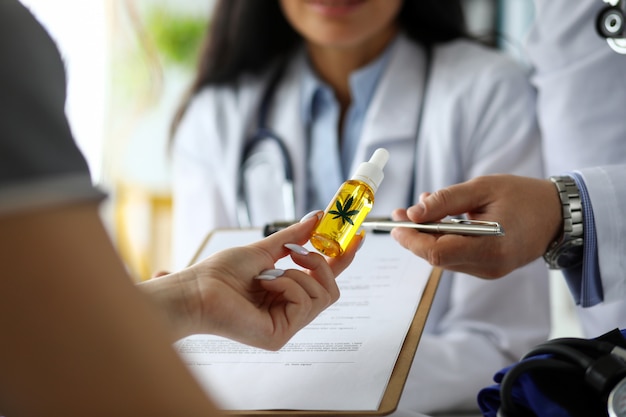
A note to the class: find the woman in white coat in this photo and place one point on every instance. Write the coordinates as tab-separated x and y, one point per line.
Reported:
355	76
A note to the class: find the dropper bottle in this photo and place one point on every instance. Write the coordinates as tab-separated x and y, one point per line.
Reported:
351	204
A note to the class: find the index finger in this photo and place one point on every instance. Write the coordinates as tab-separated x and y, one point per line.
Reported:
450	201
298	233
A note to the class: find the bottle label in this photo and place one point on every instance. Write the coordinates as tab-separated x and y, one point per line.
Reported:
344	211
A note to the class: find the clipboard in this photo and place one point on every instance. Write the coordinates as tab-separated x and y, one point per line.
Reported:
398	377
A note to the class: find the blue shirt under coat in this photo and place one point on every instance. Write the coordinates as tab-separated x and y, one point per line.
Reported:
330	157
584	281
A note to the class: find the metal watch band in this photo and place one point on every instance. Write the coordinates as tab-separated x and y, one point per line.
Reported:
566	252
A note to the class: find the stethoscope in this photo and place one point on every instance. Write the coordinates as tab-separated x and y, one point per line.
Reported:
597	365
611	24
250	155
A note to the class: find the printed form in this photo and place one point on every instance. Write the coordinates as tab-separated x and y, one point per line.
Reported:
342	360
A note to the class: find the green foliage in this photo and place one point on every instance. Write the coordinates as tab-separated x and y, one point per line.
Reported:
177	36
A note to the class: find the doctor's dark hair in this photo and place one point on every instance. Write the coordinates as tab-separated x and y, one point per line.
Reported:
246	36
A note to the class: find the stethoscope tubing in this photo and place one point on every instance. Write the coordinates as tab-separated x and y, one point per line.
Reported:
263	132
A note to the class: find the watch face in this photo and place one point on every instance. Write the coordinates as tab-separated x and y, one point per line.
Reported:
616	404
570	254
570	257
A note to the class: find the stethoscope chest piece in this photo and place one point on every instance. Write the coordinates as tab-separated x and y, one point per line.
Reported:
611	24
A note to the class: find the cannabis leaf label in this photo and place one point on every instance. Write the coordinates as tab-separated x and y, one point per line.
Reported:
344	211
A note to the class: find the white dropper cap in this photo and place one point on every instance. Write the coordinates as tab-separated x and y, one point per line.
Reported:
371	172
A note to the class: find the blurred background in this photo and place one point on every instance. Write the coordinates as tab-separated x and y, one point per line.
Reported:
128	64
130	61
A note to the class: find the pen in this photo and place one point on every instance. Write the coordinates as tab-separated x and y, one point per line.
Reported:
452	226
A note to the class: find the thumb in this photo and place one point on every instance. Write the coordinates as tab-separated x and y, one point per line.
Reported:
450	201
298	233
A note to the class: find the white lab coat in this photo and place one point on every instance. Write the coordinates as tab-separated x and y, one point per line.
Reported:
478	119
607	191
582	112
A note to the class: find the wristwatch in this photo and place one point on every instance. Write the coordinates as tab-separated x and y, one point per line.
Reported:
567	251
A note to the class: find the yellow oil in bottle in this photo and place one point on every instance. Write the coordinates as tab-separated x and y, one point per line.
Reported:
343	217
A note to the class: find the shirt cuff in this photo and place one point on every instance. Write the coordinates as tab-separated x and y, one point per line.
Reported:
584	280
47	192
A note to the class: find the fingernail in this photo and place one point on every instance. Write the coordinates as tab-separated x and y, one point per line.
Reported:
314	213
270	274
362	239
296	248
